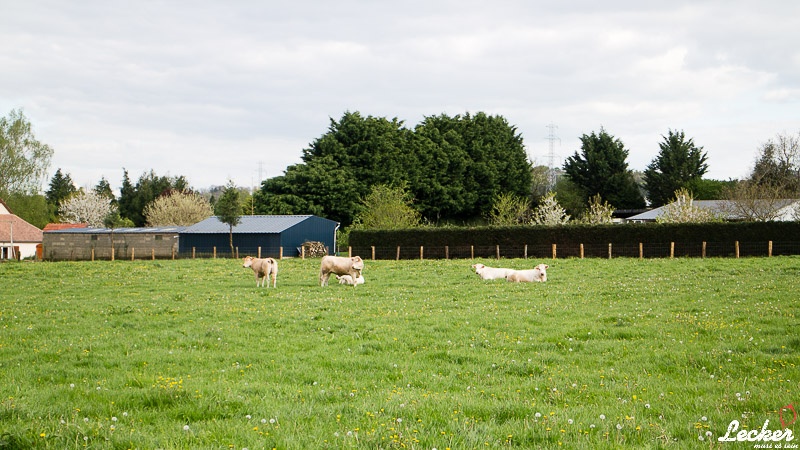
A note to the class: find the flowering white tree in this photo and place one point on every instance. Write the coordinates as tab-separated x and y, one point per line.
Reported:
177	208
599	211
682	210
549	212
86	207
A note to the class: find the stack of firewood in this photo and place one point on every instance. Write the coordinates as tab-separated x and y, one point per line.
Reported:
314	249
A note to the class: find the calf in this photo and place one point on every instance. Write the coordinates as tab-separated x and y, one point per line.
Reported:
347	279
491	273
537	274
340	265
263	268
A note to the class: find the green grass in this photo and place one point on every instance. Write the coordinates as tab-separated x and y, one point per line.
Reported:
190	354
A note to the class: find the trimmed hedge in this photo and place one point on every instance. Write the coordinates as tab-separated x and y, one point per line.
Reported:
569	238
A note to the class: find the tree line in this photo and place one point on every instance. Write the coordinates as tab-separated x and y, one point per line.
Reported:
463	169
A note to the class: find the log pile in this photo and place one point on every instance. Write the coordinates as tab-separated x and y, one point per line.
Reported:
314	249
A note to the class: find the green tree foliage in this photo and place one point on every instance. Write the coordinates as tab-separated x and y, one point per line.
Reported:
679	164
228	209
387	208
61	188
133	199
601	168
23	160
452	166
30	208
508	209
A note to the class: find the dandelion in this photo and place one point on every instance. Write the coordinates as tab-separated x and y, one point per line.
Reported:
247	417
537	415
619	426
113	419
186	428
704	418
701	437
591	426
569	421
709	433
602	417
264	421
272	421
72	385
125	414
647	405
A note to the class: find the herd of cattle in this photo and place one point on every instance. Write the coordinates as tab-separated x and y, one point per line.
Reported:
348	271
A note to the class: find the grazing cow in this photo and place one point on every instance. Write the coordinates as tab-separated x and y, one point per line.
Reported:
263	268
340	265
347	279
491	273
537	274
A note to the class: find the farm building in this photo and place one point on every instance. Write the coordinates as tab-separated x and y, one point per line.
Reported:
777	210
85	243
18	238
273	236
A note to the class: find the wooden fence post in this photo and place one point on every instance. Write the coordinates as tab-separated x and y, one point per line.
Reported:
641	250
769	249
280	253
472	252
259	251
133	252
153	254
92	253
349	252
704	249
446	252
373	253
215	252
303	252
671	250
736	244
497	250
193	252
581	251
609	250
173	253
554	251
420	253
526	251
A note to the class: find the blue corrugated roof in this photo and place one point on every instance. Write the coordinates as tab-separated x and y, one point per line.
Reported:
248	224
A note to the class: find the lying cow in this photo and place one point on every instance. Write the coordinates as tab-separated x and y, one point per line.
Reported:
537	274
340	265
347	279
491	273
263	268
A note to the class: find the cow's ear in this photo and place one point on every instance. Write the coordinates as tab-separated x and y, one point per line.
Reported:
546	266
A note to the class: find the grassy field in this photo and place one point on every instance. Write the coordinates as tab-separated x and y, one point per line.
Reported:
190	354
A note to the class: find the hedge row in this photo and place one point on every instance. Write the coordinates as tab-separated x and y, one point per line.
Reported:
572	236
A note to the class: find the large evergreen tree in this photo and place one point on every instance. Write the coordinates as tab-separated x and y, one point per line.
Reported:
452	167
679	164
601	168
61	188
133	199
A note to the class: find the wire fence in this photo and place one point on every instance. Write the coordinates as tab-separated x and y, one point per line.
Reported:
552	251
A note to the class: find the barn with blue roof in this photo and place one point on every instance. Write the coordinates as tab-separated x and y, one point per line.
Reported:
268	235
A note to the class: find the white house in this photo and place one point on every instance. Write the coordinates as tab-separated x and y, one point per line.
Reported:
18	238
783	210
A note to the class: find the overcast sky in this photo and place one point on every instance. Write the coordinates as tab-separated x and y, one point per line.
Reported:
236	90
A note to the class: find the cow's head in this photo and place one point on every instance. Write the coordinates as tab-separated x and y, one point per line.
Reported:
358	263
248	261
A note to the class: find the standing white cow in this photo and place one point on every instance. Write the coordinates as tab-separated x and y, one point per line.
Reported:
340	265
491	273
263	268
537	274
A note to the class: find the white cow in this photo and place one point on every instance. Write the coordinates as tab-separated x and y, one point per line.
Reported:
339	265
537	274
262	267
347	279
491	273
